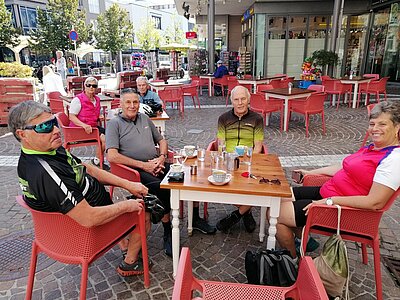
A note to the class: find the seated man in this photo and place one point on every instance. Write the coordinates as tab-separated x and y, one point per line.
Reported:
240	126
84	112
146	96
130	140
52	179
219	73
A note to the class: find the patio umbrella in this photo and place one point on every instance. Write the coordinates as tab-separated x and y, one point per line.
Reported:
174	47
84	49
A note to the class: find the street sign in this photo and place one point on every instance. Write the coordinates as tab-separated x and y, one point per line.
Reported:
191	35
73	35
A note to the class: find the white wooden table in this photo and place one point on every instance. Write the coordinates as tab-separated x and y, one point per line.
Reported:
356	82
210	79
157	86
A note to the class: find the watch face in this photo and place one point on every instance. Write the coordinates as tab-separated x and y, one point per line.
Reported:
329	201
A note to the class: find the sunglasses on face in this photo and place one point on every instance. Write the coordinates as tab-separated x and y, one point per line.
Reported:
91	85
273	181
45	127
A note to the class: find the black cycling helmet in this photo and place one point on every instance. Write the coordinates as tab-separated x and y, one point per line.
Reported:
155	207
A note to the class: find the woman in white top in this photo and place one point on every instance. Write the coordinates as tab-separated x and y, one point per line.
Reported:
52	82
61	65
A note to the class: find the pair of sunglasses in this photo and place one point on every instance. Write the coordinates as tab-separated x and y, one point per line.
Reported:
45	127
91	85
273	181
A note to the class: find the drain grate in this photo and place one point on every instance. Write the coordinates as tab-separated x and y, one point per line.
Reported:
15	255
393	265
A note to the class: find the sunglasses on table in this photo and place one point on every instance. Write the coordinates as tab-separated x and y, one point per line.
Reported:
91	85
45	127
272	181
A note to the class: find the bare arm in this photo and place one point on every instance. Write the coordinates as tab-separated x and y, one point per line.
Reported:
329	170
115	157
257	146
74	119
135	188
89	216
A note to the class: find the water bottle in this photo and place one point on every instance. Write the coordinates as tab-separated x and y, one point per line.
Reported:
290	85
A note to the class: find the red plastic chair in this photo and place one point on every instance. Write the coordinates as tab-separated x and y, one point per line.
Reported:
63	239
358	225
313	105
317	87
308	285
375	87
260	105
203	82
56	103
335	87
222	82
232	83
192	90
77	136
285	82
172	95
369	108
373	76
276	83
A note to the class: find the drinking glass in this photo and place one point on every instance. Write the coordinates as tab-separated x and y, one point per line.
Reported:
213	159
248	154
221	146
179	157
201	152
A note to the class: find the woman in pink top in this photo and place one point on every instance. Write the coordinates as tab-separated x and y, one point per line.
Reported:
366	179
84	111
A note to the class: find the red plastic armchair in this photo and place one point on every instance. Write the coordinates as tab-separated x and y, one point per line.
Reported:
232	83
260	105
358	225
192	90
369	108
314	104
335	87
222	82
373	76
308	285
77	136
376	88
203	82
56	103
317	87
63	239
172	95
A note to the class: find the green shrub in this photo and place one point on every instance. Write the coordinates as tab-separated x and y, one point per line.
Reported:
15	70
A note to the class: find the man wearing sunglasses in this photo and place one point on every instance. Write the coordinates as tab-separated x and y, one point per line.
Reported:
84	112
54	180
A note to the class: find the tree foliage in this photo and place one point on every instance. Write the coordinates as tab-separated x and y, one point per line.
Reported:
148	36
114	29
55	23
174	32
8	34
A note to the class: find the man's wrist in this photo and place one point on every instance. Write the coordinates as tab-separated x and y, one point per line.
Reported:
165	155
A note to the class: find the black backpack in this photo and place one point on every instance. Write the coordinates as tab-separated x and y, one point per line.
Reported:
271	267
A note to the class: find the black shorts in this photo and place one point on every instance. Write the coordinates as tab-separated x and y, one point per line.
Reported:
304	195
101	130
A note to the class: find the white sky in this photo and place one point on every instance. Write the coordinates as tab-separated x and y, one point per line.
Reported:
149	2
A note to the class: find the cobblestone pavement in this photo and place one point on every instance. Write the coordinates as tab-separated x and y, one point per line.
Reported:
218	257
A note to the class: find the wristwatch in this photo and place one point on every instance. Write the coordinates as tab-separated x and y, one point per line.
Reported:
329	201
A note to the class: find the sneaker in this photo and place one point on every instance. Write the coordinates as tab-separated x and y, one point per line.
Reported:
125	269
226	223
312	245
202	226
249	222
168	245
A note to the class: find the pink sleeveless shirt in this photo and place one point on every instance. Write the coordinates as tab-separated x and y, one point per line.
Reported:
356	176
89	113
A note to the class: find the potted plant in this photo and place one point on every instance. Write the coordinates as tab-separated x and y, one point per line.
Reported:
324	58
107	67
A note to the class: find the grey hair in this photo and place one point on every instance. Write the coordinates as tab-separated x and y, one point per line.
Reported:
21	114
238	87
142	78
91	79
390	107
60	52
127	91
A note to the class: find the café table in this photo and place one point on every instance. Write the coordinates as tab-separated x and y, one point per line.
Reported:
159	122
210	78
356	82
240	190
256	81
283	93
157	86
105	103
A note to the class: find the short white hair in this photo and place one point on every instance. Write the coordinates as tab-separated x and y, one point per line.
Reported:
239	87
142	78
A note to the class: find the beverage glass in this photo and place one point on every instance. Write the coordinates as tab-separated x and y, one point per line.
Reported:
230	163
179	157
221	146
248	156
201	153
213	159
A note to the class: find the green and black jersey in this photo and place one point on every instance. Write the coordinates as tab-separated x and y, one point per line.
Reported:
240	131
57	181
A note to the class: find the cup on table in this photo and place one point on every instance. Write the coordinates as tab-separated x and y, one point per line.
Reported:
176	167
240	150
189	150
201	152
248	154
219	175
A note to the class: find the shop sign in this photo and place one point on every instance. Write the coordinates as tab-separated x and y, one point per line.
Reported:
191	35
247	14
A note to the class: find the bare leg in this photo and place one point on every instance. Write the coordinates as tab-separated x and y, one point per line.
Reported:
243	209
286	226
135	243
103	146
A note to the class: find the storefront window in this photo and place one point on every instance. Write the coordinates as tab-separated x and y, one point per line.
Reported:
391	59
356	43
339	45
276	44
377	41
316	34
297	38
259	44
